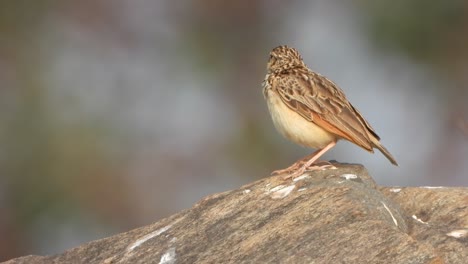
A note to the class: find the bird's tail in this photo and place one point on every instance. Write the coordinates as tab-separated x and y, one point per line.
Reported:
384	151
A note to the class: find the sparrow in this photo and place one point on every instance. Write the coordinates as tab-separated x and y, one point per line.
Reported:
310	110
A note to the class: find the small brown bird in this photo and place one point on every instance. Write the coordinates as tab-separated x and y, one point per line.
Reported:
312	111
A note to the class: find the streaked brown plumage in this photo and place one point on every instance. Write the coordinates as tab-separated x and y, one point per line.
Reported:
311	110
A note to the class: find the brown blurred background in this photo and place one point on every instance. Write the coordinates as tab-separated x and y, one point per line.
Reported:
114	114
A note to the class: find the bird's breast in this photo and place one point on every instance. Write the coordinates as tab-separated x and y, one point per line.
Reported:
293	126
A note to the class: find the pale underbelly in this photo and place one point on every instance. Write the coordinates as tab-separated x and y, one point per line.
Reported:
296	128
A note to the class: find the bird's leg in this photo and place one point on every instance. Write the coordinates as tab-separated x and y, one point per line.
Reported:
296	165
310	162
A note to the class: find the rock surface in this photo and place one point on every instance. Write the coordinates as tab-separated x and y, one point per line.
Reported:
330	216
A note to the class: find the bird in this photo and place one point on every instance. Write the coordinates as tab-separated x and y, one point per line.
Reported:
312	111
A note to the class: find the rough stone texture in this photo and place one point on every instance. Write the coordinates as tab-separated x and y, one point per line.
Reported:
332	216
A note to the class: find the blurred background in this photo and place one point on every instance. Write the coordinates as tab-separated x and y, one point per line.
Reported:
115	114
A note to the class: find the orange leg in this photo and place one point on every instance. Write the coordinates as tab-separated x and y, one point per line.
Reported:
310	162
296	165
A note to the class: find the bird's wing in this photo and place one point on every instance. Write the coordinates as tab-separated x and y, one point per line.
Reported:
319	100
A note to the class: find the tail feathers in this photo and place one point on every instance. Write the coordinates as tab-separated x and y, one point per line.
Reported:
384	151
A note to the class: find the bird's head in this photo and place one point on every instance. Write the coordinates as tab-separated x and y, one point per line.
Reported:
284	58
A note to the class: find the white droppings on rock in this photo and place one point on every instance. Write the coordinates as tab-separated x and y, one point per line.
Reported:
302	189
390	212
304	176
246	191
148	237
458	233
418	219
281	192
274	189
349	176
169	257
432	187
395	190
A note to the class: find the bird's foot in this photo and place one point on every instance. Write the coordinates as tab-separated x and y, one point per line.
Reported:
321	165
297	165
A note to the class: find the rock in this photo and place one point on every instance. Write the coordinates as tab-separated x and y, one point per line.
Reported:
330	216
437	216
